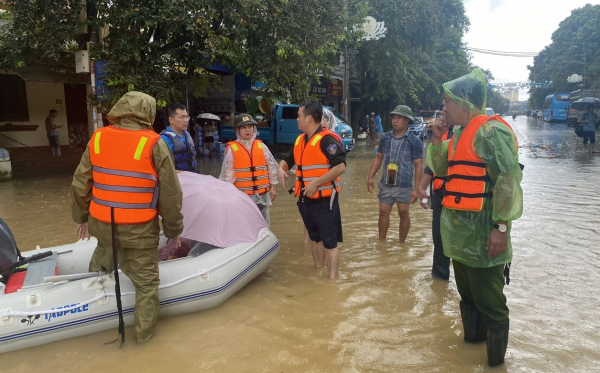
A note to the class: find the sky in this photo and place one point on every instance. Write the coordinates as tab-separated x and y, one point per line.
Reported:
514	26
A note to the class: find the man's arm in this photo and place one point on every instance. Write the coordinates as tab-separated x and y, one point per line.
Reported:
377	161
423	184
170	194
284	167
311	188
414	195
497	146
81	189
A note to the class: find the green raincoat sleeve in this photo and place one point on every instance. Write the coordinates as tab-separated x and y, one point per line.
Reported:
81	189
170	197
465	233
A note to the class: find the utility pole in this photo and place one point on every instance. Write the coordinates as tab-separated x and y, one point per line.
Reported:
346	89
346	86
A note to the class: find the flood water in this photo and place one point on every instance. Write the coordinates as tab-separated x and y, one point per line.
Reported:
385	313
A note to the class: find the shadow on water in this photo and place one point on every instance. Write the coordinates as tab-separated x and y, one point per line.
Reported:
385	313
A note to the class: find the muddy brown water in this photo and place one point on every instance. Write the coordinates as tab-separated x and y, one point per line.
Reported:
385	313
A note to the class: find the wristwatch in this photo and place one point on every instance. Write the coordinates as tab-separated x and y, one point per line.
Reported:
501	227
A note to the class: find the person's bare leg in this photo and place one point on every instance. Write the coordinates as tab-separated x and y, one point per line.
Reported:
384	220
306	236
585	147
332	256
404	221
318	253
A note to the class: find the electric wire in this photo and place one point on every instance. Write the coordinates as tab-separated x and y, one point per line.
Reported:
502	53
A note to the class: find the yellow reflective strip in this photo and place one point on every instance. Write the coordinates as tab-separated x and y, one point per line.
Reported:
140	147
260	145
97	143
234	147
298	140
317	138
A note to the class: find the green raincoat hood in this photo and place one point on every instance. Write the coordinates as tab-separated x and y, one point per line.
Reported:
133	108
469	92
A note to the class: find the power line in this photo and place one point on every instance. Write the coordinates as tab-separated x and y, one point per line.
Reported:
501	53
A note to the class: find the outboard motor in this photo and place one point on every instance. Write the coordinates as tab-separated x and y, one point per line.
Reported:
10	256
9	253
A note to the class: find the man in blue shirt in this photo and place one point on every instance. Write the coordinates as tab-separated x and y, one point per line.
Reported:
401	154
178	138
589	120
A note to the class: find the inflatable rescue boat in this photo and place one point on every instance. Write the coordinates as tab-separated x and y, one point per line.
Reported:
57	298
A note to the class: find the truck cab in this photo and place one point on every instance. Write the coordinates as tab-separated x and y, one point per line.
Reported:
281	127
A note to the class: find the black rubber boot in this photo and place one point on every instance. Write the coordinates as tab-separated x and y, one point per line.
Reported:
474	323
496	343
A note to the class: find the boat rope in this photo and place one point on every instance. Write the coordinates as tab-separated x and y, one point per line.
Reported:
104	294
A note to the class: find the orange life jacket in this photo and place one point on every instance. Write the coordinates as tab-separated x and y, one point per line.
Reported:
438	181
124	175
467	174
312	163
251	172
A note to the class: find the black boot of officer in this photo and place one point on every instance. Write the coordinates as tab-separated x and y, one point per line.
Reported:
474	323
496	343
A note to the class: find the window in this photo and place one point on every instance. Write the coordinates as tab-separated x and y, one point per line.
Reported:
289	112
13	99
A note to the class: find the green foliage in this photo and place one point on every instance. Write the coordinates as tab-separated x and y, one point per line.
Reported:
163	46
422	50
41	31
291	43
576	42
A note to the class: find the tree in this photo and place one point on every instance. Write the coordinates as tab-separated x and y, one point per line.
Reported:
162	46
422	49
40	32
575	46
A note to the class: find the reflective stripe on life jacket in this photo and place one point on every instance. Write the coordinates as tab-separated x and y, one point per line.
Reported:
467	174
183	154
124	175
312	164
251	172
438	181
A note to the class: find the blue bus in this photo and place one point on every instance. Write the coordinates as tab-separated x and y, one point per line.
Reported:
556	107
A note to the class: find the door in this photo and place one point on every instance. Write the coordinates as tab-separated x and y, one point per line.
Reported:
77	118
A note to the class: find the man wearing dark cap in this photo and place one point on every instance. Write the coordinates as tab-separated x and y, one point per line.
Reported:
483	195
402	156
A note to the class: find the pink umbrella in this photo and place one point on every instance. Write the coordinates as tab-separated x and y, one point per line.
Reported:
216	212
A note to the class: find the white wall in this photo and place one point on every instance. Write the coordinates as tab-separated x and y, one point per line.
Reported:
41	97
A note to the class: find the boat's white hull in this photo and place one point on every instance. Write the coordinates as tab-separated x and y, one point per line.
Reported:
230	269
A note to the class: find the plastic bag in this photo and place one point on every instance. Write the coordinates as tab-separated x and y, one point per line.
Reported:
168	252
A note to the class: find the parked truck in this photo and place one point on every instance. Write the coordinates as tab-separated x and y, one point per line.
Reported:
281	127
577	95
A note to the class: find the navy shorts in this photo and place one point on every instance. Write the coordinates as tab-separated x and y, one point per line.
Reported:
322	223
589	135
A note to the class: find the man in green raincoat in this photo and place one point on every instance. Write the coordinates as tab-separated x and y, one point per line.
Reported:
475	226
137	244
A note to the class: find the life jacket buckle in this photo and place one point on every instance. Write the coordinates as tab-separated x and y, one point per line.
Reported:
457	199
